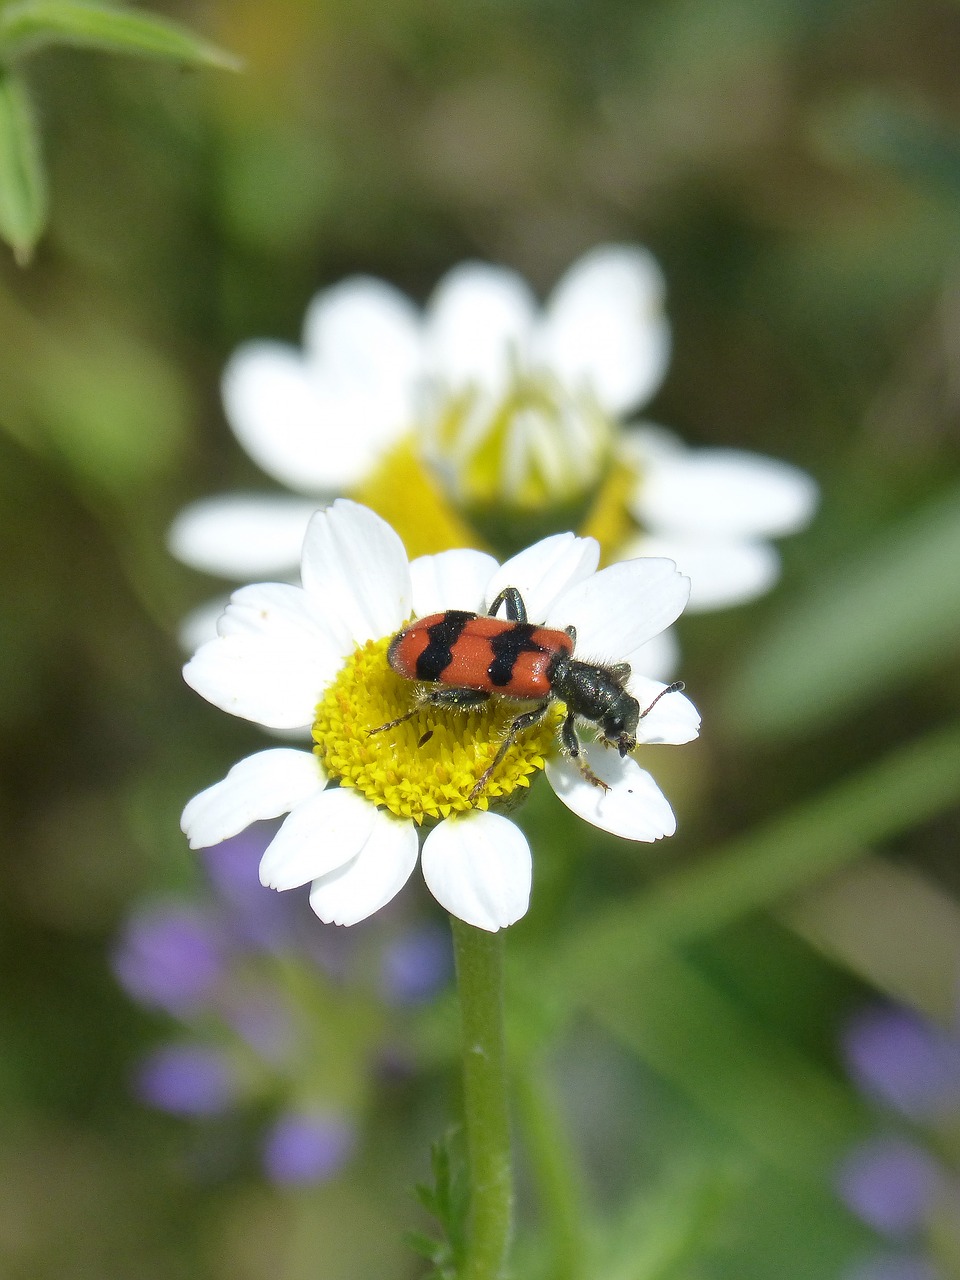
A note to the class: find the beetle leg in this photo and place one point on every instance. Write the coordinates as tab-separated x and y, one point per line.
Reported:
522	722
516	609
392	724
571	745
572	633
439	697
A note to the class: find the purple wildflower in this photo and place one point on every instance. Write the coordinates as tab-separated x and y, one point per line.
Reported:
416	965
905	1061
170	957
188	1080
307	1147
892	1184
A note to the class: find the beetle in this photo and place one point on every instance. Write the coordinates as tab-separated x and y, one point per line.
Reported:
464	658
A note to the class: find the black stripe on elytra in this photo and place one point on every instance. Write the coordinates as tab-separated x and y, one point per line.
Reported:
507	648
444	634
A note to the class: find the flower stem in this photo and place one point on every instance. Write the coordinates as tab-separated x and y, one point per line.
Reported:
479	959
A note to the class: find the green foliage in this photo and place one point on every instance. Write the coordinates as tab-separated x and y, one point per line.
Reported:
447	1200
23	186
871	623
32	25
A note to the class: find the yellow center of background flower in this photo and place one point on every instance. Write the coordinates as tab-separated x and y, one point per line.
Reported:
427	766
403	492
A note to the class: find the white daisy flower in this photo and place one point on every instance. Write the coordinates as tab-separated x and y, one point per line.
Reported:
482	362
387	765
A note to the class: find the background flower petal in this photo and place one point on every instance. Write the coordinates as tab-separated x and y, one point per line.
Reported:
319	835
372	878
634	807
200	625
658	659
605	326
356	568
451	580
479	867
365	337
287	425
725	493
476	317
546	570
622	607
261	786
242	534
722	571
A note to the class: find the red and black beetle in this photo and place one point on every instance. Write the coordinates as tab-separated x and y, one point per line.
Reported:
465	657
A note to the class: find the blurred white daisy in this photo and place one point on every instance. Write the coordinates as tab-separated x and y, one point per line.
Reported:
488	419
315	657
495	393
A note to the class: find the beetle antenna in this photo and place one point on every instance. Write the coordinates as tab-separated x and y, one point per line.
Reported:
676	687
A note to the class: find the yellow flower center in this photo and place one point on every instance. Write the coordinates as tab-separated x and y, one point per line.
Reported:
540	445
426	767
403	492
609	519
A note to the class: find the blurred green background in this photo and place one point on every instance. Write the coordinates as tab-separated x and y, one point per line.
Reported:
795	166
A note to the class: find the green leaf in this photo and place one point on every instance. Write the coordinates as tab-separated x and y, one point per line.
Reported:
447	1199
36	24
23	188
671	1227
781	1107
873	623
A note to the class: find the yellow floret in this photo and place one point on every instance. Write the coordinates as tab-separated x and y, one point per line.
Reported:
426	767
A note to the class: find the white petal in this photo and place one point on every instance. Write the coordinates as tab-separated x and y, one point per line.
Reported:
658	659
645	443
200	624
364	338
546	570
477	319
300	430
355	567
321	834
242	535
285	615
621	607
479	867
725	493
671	719
605	326
373	878
634	807
261	786
722	571
451	580
250	676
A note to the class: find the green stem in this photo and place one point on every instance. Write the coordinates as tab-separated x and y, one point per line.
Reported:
479	958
